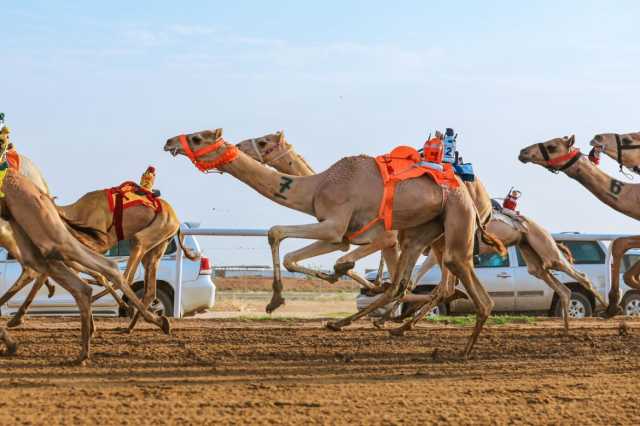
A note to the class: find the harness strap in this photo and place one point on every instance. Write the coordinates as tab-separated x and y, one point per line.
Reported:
227	157
552	163
118	214
543	151
620	147
257	151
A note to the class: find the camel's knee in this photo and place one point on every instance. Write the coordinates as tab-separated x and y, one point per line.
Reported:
389	239
275	235
289	262
456	264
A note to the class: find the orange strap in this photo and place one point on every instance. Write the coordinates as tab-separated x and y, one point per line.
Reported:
14	159
227	157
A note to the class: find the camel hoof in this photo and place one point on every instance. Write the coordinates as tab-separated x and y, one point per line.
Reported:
165	324
82	361
274	304
52	292
123	330
14	322
334	326
613	310
342	268
397	332
12	349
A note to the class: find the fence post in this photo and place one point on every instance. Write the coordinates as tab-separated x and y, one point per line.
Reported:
177	300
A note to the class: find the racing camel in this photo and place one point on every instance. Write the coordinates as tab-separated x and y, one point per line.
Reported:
422	209
625	150
559	154
538	248
149	229
46	244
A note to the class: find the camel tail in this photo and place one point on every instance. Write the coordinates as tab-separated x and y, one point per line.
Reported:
491	240
189	254
566	252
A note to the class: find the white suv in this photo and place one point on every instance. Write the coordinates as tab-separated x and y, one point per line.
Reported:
198	289
513	289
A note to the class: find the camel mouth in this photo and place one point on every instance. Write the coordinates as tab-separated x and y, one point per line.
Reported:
523	159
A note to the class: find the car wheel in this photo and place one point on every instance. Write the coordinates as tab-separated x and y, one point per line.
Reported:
162	305
579	306
631	305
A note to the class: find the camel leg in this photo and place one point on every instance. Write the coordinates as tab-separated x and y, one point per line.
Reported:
348	261
618	249
330	231
81	292
414	242
318	248
391	255
109	269
582	279
150	262
631	276
17	318
8	341
426	266
26	276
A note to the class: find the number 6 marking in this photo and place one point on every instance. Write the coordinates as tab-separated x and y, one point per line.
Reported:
616	187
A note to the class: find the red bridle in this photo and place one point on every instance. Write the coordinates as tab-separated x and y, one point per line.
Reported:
556	164
230	154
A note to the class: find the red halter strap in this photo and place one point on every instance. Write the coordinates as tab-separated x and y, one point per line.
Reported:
230	154
554	162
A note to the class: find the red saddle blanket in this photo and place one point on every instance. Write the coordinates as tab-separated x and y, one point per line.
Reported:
129	194
403	163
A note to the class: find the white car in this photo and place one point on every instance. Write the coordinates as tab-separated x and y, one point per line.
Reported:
513	289
198	289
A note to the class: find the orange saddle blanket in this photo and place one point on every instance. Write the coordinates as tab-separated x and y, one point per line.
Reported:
403	163
13	158
129	194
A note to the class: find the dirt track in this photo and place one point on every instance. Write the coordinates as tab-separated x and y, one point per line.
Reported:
281	372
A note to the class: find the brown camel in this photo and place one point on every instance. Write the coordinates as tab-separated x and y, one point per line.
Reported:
149	233
623	148
559	154
46	244
539	250
423	211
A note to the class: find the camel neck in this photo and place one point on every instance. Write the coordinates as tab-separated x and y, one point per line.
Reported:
618	195
292	164
290	191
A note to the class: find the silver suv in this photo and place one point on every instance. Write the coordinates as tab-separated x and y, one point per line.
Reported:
513	289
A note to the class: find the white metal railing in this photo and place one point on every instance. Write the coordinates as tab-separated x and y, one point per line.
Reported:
205	232
249	232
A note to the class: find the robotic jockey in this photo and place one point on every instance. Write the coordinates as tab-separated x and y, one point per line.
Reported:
510	204
449	143
147	181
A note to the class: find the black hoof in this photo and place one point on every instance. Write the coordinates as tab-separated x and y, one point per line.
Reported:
333	326
612	311
342	268
166	325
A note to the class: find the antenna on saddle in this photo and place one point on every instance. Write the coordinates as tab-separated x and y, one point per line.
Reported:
1	118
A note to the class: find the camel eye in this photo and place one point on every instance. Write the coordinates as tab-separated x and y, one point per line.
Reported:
196	140
626	141
262	144
552	148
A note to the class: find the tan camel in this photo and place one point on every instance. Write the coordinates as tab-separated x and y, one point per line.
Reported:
274	150
423	211
623	148
149	233
559	154
539	250
46	245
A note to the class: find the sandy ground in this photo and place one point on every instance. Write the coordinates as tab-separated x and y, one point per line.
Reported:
296	372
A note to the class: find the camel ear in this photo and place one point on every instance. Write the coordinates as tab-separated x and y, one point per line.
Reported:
218	133
281	138
571	140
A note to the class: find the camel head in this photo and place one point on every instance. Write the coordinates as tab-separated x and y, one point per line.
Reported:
624	148
196	141
206	149
265	149
553	154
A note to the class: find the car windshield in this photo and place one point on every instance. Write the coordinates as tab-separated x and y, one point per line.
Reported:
123	249
629	261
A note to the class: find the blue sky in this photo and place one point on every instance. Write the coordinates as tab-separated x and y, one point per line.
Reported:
92	91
